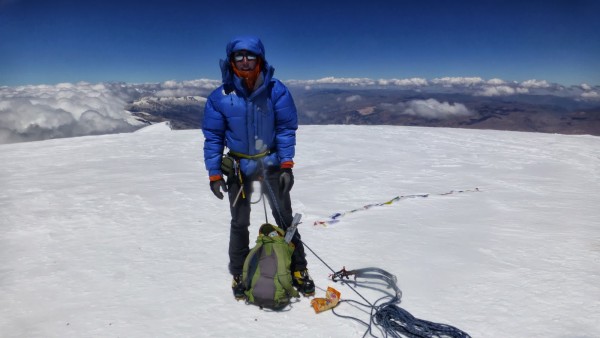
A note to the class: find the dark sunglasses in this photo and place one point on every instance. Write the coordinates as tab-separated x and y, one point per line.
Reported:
237	57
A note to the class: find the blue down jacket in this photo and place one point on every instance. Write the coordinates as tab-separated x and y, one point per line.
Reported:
264	120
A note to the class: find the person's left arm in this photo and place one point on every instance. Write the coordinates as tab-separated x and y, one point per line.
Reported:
286	124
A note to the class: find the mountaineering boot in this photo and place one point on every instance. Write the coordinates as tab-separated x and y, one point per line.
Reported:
238	287
303	283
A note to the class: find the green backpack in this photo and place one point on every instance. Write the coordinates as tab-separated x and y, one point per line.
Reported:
267	274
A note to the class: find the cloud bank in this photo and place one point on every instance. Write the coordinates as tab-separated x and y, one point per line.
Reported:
200	87
31	113
430	109
475	86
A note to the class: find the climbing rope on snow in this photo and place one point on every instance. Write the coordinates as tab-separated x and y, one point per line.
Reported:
390	319
386	315
336	217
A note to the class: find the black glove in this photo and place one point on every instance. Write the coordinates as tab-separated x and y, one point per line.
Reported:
216	186
285	181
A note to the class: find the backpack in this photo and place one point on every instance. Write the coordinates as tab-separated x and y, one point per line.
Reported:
267	274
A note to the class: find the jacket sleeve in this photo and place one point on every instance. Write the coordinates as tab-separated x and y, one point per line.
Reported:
286	122
213	128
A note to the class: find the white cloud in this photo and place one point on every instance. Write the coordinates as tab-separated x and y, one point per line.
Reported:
458	81
170	84
434	109
429	108
533	83
460	85
496	82
591	95
334	81
496	91
185	88
30	113
352	81
412	82
67	109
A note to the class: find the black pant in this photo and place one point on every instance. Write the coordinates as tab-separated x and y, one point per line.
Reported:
281	208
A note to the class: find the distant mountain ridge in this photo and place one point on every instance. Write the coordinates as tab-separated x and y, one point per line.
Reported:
392	106
39	112
182	112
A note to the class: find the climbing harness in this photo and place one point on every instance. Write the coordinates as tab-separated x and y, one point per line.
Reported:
249	157
334	218
230	166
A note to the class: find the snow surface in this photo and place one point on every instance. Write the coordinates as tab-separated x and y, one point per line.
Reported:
120	236
155	128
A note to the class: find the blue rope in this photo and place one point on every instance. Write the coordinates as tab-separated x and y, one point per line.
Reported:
389	318
273	198
385	315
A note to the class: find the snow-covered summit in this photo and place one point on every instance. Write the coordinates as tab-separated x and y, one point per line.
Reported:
119	235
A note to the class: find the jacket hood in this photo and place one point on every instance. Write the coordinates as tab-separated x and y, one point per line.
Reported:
251	44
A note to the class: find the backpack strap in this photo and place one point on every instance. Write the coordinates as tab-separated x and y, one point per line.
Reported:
252	266
286	282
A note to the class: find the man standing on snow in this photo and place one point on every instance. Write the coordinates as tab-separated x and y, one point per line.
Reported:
253	114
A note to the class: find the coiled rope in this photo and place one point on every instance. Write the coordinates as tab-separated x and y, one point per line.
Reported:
386	315
390	319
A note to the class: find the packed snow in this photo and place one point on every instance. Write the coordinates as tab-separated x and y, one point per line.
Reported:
119	235
156	128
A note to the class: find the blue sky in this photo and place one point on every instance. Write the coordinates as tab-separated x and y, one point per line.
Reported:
48	42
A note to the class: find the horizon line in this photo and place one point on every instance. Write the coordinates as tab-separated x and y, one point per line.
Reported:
362	81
